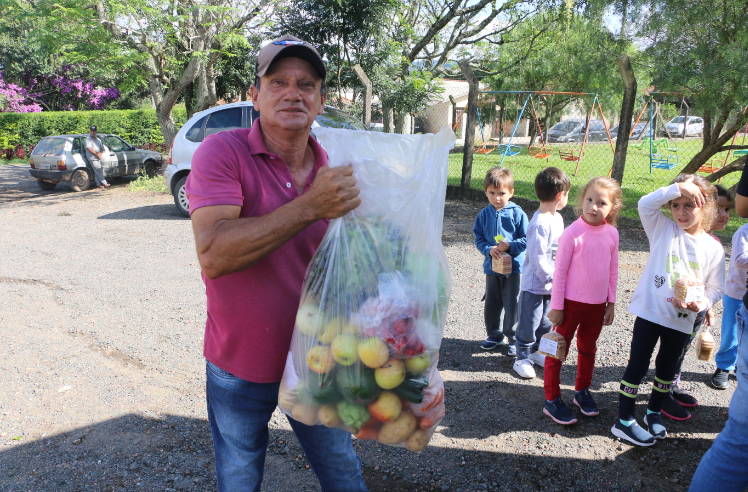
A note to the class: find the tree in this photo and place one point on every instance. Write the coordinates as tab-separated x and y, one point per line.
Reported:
700	48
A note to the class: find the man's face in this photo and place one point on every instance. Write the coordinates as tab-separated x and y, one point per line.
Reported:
289	96
92	133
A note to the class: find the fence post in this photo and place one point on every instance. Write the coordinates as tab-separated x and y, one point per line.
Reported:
472	112
367	94
627	114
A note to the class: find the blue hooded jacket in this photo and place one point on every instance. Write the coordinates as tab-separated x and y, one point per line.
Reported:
510	222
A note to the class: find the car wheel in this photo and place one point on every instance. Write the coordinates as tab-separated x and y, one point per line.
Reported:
148	169
47	185
80	180
180	198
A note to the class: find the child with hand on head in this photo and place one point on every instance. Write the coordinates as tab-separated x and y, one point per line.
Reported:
679	248
584	293
552	188
674	405
501	228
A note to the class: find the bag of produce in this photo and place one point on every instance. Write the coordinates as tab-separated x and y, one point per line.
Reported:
373	306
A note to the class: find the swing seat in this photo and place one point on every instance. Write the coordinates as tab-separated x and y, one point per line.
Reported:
665	145
540	152
484	149
509	150
739	153
712	166
662	162
571	155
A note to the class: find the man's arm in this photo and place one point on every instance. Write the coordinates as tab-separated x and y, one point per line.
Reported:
227	243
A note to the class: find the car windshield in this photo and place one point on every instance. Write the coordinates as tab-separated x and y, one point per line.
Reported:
678	119
50	146
335	118
565	126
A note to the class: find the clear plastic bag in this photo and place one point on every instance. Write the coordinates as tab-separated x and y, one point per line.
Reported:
373	307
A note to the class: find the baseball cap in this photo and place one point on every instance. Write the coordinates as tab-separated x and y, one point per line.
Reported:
93	129
289	46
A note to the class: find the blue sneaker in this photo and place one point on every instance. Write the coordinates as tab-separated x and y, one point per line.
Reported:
491	343
655	425
512	350
632	433
559	412
583	399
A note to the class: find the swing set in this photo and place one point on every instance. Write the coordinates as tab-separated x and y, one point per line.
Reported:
544	150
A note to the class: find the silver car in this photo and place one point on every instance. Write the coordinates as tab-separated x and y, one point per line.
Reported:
63	158
682	127
217	119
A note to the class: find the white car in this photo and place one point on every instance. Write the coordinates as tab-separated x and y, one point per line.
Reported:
218	119
693	127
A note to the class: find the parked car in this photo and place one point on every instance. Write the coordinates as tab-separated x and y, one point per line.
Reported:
63	158
573	131
220	118
637	131
693	127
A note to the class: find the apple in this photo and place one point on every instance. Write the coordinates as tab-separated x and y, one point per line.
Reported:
418	364
373	352
387	407
309	319
391	374
398	430
344	349
328	415
320	359
331	330
287	397
417	441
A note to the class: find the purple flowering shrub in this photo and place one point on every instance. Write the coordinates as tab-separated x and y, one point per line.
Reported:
63	90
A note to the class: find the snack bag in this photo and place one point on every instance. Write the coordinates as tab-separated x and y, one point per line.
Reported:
502	265
688	289
373	306
704	345
553	344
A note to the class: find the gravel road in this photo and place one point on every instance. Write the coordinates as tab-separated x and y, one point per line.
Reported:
102	384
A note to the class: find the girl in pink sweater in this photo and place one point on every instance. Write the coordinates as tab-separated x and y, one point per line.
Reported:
584	292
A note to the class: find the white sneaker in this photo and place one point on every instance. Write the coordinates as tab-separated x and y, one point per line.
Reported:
524	368
537	358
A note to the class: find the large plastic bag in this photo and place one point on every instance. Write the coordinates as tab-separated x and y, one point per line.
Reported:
373	307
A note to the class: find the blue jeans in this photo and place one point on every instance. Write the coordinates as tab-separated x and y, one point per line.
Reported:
239	412
723	467
727	357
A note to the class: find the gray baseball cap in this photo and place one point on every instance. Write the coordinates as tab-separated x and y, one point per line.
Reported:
289	46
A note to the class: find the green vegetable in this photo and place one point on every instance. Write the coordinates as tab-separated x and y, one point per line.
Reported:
320	388
412	389
357	384
353	414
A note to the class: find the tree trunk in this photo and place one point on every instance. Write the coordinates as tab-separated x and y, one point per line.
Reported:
472	112
388	118
627	114
713	145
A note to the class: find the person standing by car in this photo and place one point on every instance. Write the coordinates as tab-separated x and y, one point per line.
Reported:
94	149
260	201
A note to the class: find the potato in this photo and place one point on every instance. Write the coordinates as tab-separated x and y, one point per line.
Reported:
287	398
417	441
328	416
305	413
398	430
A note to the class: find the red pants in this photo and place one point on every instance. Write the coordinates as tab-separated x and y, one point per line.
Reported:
589	319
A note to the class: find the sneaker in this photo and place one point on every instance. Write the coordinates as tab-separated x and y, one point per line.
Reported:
672	409
655	425
720	379
538	359
559	412
583	399
682	396
632	433
491	343
512	350
524	368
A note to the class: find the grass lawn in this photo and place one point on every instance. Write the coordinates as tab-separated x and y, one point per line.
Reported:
597	161
14	161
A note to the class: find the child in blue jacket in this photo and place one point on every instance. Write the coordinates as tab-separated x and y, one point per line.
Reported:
501	228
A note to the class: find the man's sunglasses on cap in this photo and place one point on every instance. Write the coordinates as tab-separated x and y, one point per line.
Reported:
287	42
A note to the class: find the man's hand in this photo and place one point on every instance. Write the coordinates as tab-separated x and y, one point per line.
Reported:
556	316
333	193
503	246
610	313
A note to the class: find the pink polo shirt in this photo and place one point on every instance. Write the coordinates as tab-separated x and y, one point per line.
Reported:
586	265
251	314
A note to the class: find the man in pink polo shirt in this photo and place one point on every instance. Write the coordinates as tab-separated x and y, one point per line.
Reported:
260	202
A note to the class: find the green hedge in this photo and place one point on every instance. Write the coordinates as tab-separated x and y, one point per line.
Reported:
139	127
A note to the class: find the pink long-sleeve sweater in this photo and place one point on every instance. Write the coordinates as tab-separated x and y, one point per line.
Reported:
586	265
